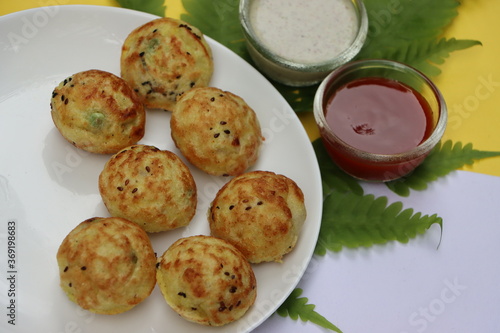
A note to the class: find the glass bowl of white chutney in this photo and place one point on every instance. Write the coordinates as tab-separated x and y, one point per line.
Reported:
297	42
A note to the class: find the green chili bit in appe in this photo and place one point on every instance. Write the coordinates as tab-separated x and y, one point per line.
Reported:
96	119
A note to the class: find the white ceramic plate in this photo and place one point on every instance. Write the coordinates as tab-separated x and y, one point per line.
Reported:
47	186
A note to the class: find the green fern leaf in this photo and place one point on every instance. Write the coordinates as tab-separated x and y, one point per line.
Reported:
409	31
350	220
295	308
332	176
443	159
403	21
300	98
154	7
425	54
219	20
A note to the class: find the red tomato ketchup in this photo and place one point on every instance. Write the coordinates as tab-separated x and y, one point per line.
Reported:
378	116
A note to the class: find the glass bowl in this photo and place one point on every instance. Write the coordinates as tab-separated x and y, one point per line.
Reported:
368	165
302	72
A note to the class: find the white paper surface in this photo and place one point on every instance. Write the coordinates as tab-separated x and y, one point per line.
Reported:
416	287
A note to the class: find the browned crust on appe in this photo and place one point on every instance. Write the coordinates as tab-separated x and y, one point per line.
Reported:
150	187
206	280
98	111
164	58
107	265
216	131
261	213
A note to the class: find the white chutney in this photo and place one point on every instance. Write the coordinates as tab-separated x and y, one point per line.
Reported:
304	31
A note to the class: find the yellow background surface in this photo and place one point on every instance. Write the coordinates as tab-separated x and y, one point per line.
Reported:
470	79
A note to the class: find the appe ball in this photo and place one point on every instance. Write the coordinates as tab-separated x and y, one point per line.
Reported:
261	213
98	111
206	280
150	187
216	131
107	265
164	58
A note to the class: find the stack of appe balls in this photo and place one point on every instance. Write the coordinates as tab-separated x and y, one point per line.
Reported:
107	264
100	112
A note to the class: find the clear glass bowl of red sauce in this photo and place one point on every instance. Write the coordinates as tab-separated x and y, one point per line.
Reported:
379	119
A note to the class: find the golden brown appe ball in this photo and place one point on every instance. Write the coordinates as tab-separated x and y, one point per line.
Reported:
206	280
98	112
163	58
216	131
107	265
150	187
261	213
